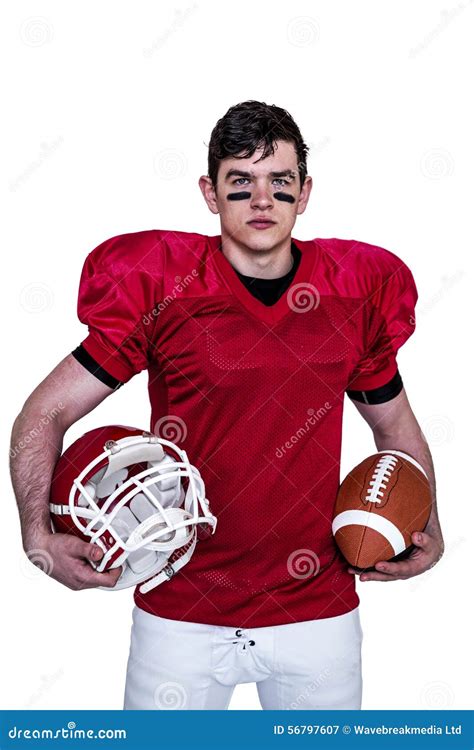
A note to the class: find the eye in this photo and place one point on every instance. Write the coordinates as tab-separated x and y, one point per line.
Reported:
282	181
238	180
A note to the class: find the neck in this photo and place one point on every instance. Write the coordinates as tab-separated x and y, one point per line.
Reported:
269	263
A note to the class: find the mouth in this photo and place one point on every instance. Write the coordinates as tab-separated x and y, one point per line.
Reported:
261	223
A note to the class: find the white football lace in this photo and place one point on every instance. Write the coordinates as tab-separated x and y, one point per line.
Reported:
380	478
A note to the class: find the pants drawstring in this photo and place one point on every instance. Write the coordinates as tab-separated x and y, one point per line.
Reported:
244	642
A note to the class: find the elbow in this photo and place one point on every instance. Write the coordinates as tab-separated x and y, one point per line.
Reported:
398	439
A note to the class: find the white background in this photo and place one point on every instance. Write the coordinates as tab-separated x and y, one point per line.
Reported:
109	107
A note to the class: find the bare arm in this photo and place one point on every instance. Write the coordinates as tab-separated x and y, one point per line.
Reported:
64	396
395	427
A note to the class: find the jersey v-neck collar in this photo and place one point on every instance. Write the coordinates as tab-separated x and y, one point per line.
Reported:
296	255
268	313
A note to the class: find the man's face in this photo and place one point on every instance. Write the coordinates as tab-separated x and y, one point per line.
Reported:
249	190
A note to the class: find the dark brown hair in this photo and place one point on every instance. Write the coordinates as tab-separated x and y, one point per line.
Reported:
251	125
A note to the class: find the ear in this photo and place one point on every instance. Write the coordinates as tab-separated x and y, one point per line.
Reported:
304	194
207	189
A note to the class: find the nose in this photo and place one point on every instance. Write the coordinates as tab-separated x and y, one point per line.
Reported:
262	196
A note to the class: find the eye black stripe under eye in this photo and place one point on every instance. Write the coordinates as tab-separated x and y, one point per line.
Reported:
284	197
238	196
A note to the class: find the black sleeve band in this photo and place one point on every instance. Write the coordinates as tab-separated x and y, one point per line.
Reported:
379	395
85	359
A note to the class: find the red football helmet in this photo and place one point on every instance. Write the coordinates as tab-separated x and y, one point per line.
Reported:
134	495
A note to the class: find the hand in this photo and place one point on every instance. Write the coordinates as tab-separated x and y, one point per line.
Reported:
68	560
428	551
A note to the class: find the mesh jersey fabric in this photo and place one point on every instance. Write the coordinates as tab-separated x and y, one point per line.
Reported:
254	394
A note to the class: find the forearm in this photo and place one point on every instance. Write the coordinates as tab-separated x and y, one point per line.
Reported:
36	443
414	443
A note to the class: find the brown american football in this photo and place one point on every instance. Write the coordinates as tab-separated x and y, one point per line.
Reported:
380	503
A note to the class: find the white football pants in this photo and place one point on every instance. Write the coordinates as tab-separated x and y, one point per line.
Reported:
314	664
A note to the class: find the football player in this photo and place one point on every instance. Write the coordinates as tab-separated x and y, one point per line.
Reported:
251	338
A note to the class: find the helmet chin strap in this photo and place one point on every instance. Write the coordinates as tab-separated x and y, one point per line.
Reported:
169	569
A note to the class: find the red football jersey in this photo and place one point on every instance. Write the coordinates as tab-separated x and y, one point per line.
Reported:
256	395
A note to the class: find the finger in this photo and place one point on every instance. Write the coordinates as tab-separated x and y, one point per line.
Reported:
361	572
93	553
85	550
92	579
110	578
405	568
378	577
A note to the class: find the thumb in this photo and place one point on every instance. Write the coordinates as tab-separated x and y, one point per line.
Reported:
419	538
110	578
93	552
